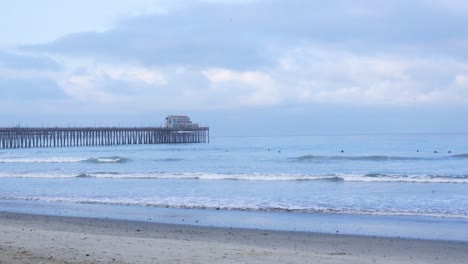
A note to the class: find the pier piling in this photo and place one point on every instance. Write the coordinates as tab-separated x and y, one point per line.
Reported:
104	136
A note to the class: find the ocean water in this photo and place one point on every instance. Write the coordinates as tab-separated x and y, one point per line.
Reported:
414	176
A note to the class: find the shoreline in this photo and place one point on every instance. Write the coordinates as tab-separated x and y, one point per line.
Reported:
30	238
411	227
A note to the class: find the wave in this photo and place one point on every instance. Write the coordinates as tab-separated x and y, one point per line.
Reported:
84	176
336	178
220	205
305	158
169	160
463	179
43	160
108	160
461	156
65	160
354	158
319	158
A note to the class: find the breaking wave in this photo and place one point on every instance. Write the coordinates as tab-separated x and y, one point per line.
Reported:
336	178
43	160
108	160
66	160
84	176
220	205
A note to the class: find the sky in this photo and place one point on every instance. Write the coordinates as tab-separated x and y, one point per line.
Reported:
245	67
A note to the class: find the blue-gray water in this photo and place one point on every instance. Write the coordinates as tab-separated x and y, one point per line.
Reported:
382	175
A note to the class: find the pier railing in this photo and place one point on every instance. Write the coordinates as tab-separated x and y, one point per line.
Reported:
103	136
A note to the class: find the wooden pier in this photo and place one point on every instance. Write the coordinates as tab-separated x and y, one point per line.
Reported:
103	136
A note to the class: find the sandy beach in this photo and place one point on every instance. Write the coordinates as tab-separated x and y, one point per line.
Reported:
49	239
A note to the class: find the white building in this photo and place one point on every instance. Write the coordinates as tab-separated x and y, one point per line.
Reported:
179	122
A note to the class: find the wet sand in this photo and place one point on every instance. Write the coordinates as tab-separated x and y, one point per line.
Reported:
49	239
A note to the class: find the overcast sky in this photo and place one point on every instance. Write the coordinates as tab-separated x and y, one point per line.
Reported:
242	67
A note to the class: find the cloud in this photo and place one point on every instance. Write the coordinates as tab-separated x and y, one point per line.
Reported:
303	76
34	89
243	88
28	78
27	62
110	83
250	35
130	87
454	6
319	75
462	80
261	54
26	22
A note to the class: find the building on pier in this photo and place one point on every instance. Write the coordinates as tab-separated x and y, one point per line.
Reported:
179	121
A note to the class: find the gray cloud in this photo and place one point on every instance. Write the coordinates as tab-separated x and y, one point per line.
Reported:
350	66
30	89
250	35
27	62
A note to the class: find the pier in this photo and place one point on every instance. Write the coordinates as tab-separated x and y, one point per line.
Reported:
19	137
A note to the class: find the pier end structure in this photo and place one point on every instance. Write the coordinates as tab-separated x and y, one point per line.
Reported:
47	137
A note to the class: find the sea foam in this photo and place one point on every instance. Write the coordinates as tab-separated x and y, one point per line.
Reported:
460	179
65	160
265	206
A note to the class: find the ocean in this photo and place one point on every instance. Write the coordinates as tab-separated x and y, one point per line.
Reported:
413	185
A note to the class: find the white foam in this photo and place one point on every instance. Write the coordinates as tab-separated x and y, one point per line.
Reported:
63	160
209	204
409	179
43	160
288	177
249	177
36	175
108	160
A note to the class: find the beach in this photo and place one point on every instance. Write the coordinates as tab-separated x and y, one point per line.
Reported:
27	238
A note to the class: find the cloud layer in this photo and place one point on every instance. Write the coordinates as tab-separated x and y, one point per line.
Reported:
255	54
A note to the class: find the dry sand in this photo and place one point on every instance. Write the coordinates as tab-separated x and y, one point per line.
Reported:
45	239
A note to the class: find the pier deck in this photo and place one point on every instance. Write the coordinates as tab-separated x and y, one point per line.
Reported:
98	136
